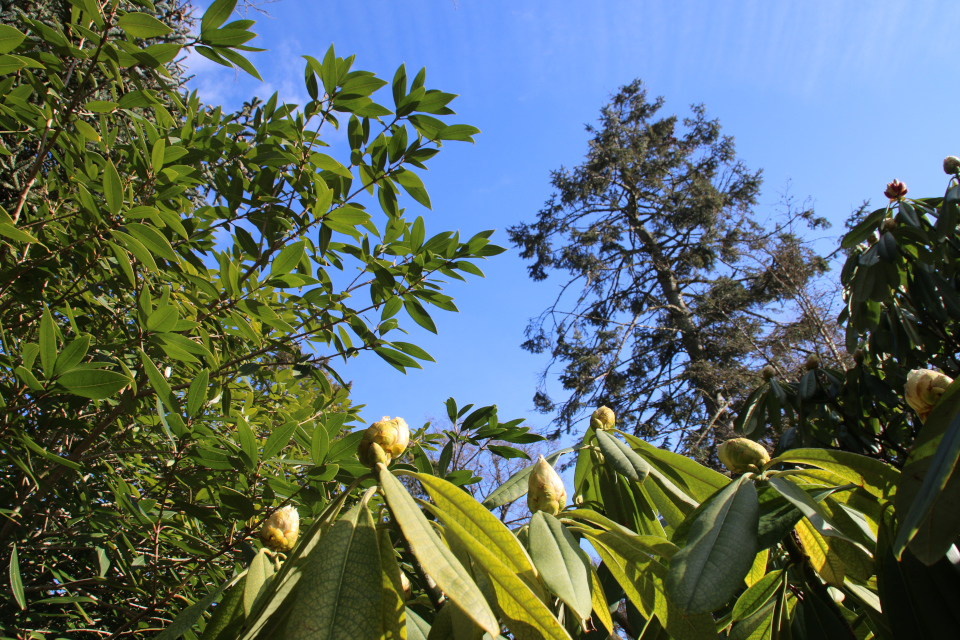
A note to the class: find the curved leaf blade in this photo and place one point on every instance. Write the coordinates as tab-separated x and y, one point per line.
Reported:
437	560
560	562
720	550
622	458
341	584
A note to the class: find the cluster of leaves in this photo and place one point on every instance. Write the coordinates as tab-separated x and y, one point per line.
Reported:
171	308
900	314
810	545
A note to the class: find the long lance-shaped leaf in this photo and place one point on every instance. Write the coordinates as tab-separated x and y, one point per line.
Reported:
191	615
394	613
481	524
527	616
756	596
601	608
721	546
824	559
938	474
261	570
875	476
697	480
341	589
622	458
227	619
651	545
808	507
516	485
434	556
642	579
561	563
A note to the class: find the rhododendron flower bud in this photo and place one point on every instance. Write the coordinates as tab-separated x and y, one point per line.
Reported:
281	529
768	372
742	454
603	418
895	190
546	492
951	165
812	362
391	437
923	390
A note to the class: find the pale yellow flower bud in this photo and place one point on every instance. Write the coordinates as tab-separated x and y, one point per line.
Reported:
405	585
923	390
768	372
390	435
740	455
546	492
281	529
603	418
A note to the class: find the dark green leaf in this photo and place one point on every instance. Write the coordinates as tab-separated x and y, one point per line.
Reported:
720	550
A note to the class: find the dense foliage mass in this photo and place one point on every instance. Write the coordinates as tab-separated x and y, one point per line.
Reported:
179	457
674	289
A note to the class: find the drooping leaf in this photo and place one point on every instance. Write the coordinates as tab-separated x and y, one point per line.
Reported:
342	584
720	549
480	524
437	560
561	563
622	457
528	618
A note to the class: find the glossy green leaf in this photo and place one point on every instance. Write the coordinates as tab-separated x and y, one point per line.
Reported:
48	343
216	14
875	476
143	25
394	612
279	439
437	560
16	584
191	615
642	579
197	393
808	507
228	617
696	480
10	38
158	382
288	258
938	473
751	600
720	549
72	354
560	562
95	384
342	584
112	187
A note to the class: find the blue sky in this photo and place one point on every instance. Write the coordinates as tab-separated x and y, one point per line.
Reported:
836	99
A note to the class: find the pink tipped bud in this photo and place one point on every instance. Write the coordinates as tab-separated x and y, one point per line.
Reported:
895	190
